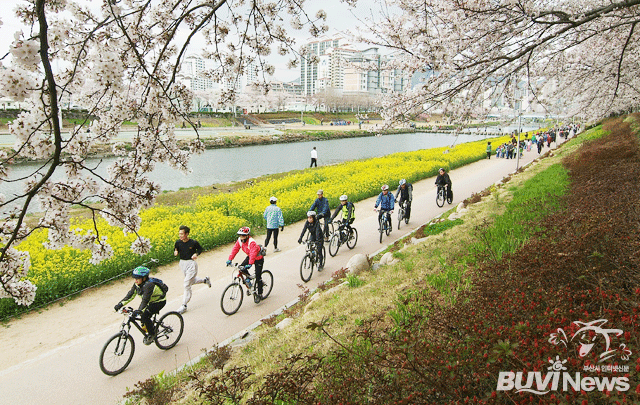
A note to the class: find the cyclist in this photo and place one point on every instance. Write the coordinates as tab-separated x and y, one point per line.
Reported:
153	300
443	180
348	211
321	207
315	235
405	191
252	249
385	201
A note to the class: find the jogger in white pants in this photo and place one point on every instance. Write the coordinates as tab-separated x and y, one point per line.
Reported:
188	250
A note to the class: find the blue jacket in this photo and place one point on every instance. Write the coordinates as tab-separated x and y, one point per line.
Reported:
321	207
385	202
273	216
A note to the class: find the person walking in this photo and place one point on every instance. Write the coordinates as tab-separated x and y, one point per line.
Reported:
275	220
488	150
314	157
188	250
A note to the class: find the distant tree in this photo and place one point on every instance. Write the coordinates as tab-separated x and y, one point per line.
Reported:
119	59
584	53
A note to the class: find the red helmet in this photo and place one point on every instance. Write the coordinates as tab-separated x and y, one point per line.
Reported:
244	230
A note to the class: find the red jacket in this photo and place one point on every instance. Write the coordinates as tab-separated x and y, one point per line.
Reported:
250	247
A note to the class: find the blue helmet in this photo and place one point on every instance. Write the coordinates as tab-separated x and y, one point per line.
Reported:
140	272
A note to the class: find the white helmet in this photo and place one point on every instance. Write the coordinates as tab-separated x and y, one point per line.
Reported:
403	181
344	197
385	187
273	199
311	213
244	231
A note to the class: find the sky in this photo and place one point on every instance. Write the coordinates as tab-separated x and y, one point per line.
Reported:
340	19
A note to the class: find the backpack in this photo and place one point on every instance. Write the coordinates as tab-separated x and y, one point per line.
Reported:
160	284
263	250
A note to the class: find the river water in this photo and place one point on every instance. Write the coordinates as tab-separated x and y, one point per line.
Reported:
235	164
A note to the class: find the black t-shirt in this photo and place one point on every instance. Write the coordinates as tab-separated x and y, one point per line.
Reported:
188	248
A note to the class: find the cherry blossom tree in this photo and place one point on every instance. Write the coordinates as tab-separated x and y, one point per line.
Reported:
120	59
583	53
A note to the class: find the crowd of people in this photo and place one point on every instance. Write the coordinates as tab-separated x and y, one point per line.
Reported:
510	150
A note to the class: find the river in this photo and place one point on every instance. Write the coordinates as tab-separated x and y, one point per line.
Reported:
235	164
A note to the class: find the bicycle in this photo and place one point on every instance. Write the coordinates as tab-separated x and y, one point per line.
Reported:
118	351
310	260
330	228
401	214
442	195
342	236
233	295
385	224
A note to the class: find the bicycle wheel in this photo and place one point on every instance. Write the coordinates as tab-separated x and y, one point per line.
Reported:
334	244
117	354
324	255
267	283
169	330
331	229
440	198
231	299
306	268
450	197
400	216
381	229
353	238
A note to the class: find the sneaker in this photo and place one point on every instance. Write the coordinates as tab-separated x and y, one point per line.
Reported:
320	268
248	292
182	309
207	281
149	338
257	298
276	250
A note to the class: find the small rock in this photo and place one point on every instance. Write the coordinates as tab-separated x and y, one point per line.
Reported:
284	323
358	263
385	258
415	241
460	207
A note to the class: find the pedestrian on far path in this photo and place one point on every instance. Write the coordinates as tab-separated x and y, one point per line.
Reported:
188	250
488	150
275	220
314	157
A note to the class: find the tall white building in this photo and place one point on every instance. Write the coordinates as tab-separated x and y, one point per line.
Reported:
309	68
344	69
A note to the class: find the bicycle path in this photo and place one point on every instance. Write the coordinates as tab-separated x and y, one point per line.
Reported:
51	357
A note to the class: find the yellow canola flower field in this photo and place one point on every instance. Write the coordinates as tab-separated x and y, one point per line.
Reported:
215	219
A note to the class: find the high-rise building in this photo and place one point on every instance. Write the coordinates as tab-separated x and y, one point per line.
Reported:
309	68
342	68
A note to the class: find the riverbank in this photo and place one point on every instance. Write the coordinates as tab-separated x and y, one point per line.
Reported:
249	137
